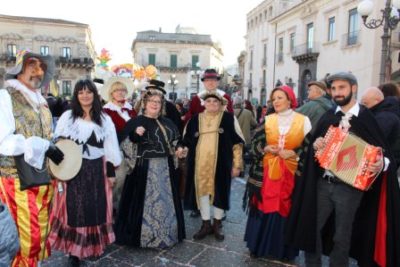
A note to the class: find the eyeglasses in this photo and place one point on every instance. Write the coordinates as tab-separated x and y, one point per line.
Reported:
158	102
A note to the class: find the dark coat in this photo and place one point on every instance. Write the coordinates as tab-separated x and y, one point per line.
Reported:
301	227
227	139
387	114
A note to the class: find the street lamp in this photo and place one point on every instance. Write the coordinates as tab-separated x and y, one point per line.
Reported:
389	20
173	81
197	72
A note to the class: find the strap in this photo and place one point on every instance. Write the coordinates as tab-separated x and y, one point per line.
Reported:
240	113
165	136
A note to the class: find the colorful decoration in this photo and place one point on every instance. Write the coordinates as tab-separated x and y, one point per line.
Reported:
123	70
104	58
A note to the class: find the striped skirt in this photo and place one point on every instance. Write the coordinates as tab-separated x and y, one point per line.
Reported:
80	241
30	210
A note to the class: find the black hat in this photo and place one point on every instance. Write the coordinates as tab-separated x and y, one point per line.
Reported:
156	84
210	74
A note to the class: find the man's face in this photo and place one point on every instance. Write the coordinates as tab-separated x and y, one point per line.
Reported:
210	84
32	73
342	92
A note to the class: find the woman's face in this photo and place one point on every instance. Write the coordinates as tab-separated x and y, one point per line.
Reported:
280	101
119	93
153	106
212	104
85	98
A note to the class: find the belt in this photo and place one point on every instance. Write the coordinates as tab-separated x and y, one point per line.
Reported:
331	179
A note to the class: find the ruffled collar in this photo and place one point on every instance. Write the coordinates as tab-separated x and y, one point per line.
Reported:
286	113
34	98
111	106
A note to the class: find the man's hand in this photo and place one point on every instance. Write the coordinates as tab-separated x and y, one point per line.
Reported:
376	167
55	154
319	143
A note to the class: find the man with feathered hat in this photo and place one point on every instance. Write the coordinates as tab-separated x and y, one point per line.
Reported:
25	131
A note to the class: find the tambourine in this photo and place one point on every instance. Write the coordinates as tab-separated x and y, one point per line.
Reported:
72	162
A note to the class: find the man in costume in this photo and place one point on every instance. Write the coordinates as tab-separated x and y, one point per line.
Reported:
210	80
25	130
331	217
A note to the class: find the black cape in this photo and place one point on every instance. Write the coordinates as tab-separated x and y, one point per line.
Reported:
227	139
301	227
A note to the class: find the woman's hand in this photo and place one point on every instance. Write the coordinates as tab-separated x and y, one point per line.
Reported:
235	172
376	167
273	149
140	130
286	154
319	143
112	181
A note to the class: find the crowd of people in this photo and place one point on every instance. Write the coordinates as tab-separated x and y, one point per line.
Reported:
144	162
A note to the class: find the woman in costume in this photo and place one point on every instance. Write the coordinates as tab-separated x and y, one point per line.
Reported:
269	187
150	213
81	219
120	111
215	144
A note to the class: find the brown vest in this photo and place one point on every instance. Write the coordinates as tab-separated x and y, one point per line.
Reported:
28	122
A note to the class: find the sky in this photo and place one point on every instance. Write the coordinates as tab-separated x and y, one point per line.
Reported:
114	23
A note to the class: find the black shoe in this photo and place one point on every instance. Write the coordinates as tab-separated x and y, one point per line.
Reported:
195	213
205	230
73	261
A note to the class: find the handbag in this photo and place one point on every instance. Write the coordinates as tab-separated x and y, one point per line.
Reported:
30	176
9	240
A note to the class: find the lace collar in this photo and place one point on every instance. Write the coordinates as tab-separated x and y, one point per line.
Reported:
34	98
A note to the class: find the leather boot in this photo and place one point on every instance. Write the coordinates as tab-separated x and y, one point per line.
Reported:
206	229
217	227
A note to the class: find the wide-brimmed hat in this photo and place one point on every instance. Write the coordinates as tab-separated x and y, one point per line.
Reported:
320	84
107	89
156	84
22	56
210	74
215	95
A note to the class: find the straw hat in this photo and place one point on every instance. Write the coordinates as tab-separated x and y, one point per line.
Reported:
107	89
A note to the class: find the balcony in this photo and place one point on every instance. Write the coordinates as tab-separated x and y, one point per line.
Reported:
306	52
85	63
7	58
351	39
170	69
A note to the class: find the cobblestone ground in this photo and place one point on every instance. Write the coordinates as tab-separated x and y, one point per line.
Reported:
208	252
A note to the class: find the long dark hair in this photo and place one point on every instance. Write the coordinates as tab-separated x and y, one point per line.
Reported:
96	112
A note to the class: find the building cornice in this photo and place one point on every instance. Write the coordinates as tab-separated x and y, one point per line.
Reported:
30	20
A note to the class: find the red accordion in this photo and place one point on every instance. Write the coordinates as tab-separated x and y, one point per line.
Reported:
348	157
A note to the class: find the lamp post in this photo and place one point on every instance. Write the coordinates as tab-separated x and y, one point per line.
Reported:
197	73
173	81
389	21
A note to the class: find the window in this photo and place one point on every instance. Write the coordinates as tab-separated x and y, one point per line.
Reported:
173	61
331	29
152	59
264	62
280	49
251	60
310	36
11	50
195	61
66	52
44	50
292	37
353	27
66	87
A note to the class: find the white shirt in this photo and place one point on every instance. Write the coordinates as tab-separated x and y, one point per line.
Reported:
11	144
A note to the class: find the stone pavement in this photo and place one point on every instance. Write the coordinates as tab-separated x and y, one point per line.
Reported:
208	252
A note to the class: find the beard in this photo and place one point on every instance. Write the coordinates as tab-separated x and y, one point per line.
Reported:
344	101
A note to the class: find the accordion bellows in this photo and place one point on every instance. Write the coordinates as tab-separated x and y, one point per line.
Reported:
348	157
